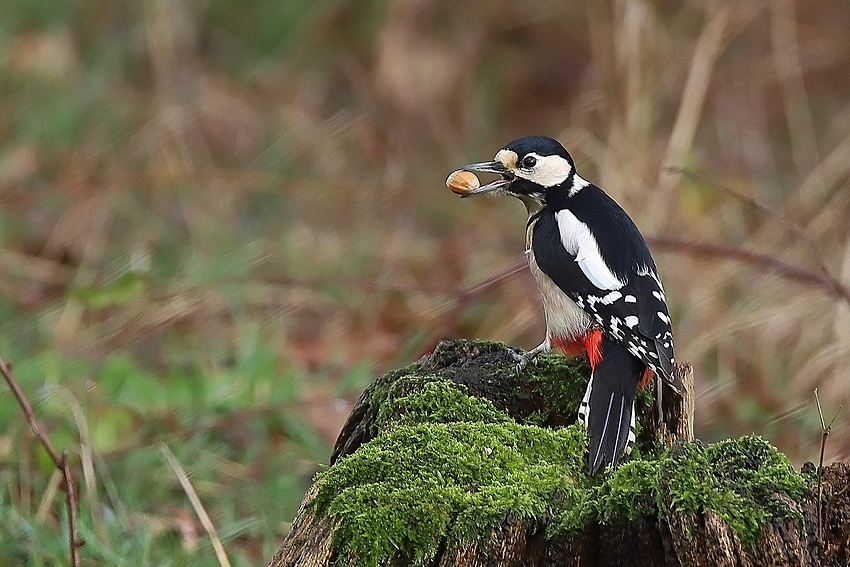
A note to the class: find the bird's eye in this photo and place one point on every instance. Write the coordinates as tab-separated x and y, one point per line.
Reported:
528	162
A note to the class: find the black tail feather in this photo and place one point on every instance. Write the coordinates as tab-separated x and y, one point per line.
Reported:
609	405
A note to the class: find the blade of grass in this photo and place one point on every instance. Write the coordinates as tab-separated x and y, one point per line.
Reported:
198	506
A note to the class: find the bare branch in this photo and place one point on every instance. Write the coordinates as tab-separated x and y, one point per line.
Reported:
61	462
792	226
466	296
791	271
73	540
827	429
36	426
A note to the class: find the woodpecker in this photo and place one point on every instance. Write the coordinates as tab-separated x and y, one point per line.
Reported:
599	286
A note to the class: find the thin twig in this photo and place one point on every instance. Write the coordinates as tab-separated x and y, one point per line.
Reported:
61	462
820	467
827	429
823	280
792	226
196	504
792	271
36	426
466	296
73	542
479	289
463	297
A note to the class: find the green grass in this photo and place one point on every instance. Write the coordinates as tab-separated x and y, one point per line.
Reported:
247	457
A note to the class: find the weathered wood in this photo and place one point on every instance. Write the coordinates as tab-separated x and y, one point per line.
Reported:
309	541
673	537
677	411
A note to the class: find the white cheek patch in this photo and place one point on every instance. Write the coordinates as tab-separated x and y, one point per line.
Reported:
577	240
549	171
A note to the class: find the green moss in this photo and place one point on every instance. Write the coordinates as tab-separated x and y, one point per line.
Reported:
405	490
548	393
437	402
567	388
736	479
445	463
631	492
628	493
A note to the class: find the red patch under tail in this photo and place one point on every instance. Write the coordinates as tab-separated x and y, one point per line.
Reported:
646	378
590	342
573	347
593	345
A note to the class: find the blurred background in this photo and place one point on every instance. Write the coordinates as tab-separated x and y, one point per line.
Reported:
220	219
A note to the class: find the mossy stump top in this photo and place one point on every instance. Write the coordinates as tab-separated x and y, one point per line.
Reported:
458	461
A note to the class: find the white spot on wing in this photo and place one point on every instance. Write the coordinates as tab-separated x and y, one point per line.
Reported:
630	299
616	332
663	316
631	321
611	297
578	241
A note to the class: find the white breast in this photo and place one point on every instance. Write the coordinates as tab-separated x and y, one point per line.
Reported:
564	319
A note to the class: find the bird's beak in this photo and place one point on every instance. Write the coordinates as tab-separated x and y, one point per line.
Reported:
497	167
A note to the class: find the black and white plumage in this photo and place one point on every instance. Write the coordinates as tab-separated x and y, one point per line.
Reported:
598	282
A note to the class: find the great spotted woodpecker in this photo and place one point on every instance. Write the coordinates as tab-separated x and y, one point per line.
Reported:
599	285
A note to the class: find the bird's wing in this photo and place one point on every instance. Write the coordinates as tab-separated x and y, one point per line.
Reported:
627	304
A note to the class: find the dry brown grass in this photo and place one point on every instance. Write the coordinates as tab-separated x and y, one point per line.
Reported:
299	191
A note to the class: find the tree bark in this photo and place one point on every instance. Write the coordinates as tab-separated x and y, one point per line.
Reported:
673	537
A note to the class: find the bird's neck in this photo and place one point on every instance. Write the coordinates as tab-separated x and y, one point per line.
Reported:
532	204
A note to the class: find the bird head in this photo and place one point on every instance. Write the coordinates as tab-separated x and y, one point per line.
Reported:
529	169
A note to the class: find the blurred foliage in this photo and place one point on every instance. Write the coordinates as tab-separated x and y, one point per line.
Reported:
219	220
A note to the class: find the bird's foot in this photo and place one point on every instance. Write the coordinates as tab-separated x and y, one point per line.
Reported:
522	358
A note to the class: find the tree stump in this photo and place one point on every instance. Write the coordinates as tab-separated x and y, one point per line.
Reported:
458	461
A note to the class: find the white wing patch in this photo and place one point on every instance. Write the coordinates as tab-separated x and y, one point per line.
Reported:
578	241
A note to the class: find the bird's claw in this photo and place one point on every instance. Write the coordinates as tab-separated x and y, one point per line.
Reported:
522	359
